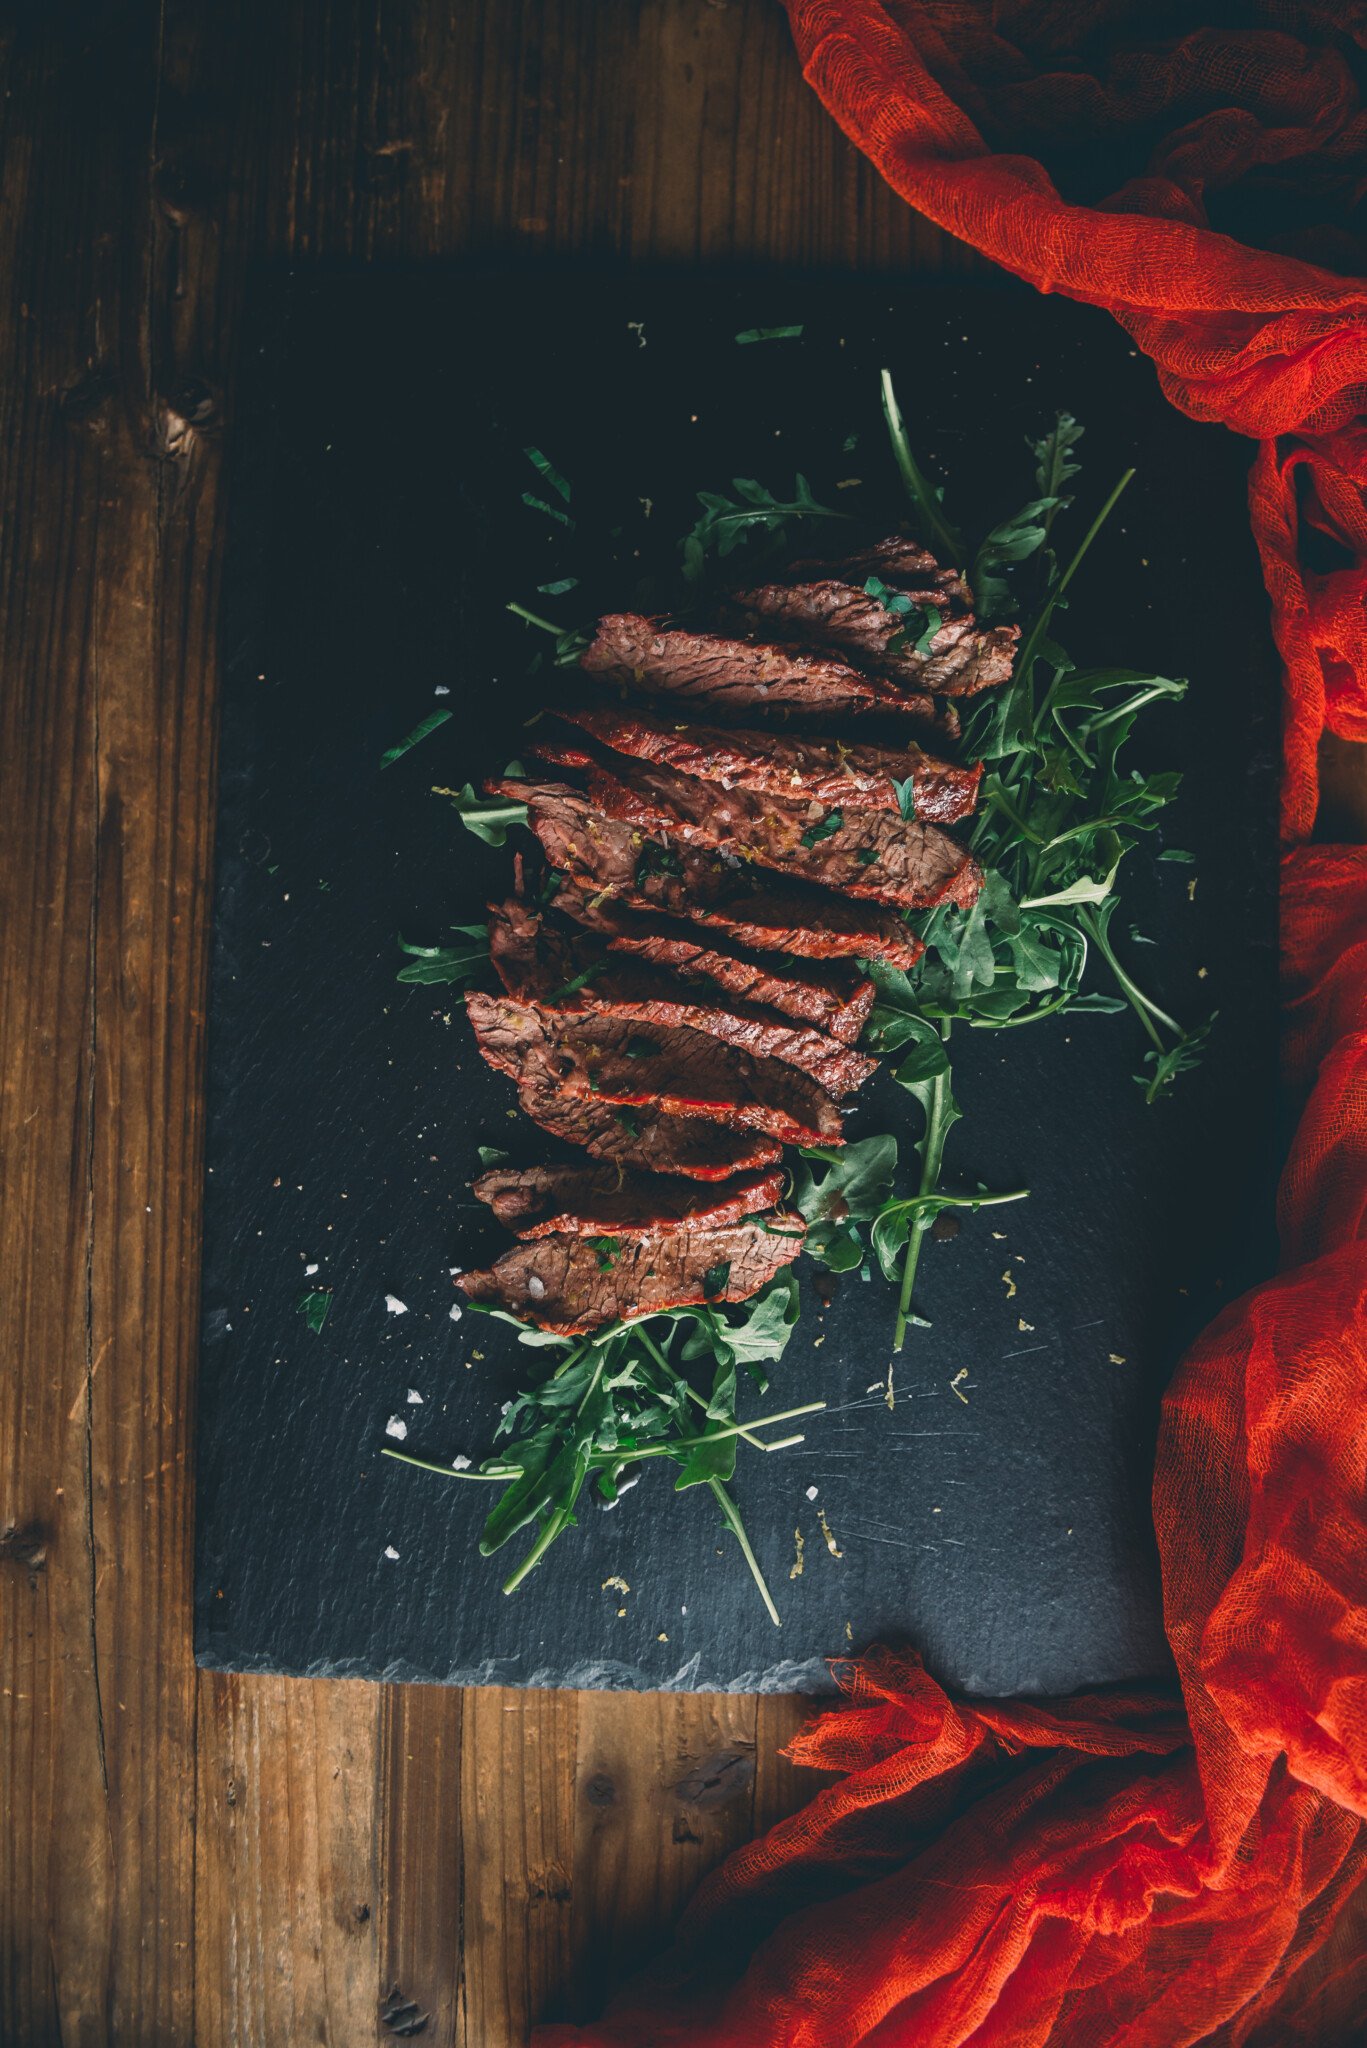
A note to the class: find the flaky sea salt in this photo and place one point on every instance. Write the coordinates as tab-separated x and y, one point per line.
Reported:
396	1426
395	1306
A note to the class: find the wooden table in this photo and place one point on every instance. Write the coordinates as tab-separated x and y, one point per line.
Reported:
186	1856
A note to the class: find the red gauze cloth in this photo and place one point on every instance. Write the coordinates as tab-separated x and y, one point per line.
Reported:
1143	1870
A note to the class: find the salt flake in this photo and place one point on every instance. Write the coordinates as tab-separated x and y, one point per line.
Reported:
396	1426
395	1306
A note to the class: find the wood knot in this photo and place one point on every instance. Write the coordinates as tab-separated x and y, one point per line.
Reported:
85	403
188	411
552	1883
26	1547
716	1780
385	165
600	1790
402	2016
181	190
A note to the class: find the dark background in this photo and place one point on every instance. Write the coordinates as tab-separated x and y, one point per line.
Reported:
1003	1528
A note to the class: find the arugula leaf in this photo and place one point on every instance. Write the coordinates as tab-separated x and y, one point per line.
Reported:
927	501
715	1278
447	963
547	469
314	1306
727	522
419	733
769	334
824	828
857	1180
488	819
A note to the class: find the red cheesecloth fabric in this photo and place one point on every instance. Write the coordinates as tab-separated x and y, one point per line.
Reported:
1147	1870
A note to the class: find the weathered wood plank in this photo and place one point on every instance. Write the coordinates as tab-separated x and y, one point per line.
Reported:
287	1875
518	1835
420	1884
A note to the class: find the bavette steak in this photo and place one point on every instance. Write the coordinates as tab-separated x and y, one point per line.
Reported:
962	658
645	1138
677	1069
877	854
573	1283
650	873
779	764
900	563
537	963
737	677
537	1201
836	999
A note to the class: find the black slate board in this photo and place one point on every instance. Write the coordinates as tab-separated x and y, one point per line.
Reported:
377	531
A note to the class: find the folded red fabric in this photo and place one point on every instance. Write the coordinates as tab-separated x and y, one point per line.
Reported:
1142	1870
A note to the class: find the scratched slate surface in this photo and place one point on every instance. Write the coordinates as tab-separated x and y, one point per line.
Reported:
377	531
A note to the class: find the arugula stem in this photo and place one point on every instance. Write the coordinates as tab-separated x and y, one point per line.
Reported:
554	1525
960	1201
731	1517
557	1522
534	619
944	541
932	1158
711	1436
1145	1009
1030	646
449	1471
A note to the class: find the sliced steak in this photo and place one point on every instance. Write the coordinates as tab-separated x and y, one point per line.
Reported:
574	1283
677	1069
779	764
736	678
537	963
962	658
835	999
606	854
536	1201
643	1138
900	563
877	854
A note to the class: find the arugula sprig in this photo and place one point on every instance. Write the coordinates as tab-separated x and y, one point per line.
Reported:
429	964
626	1395
727	522
1057	816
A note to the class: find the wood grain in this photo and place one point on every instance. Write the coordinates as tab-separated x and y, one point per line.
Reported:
192	1858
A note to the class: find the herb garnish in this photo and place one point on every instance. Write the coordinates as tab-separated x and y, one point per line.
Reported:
314	1306
624	1396
447	963
824	828
420	731
726	522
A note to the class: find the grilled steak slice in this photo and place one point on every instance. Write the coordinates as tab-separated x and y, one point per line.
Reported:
642	1138
963	657
574	1284
737	678
607	854
539	964
677	1069
779	764
537	1201
876	854
836	999
900	563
